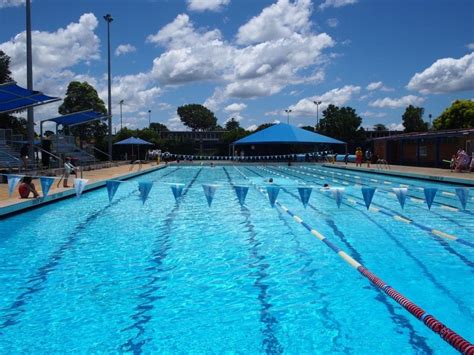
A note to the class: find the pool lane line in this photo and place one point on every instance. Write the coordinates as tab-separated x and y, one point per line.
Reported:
460	304
451	337
140	316
439	236
271	344
401	218
41	275
402	323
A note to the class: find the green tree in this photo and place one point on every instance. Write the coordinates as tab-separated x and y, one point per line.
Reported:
81	97
459	115
232	124
17	124
380	127
159	127
197	117
341	123
413	119
264	126
308	128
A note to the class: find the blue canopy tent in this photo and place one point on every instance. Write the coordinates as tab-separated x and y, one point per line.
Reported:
15	98
283	133
74	119
134	141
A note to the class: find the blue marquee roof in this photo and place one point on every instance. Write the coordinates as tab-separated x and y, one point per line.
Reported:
133	140
76	118
286	134
14	98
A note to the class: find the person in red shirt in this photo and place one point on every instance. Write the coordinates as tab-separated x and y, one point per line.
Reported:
26	187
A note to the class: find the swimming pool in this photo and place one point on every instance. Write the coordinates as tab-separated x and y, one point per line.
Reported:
83	275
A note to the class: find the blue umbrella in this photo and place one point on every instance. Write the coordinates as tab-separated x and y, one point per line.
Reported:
134	141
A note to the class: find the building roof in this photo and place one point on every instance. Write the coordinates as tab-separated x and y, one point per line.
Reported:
429	134
14	98
283	133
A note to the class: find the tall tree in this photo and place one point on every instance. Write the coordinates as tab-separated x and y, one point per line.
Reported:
197	117
81	97
232	124
17	124
341	123
263	126
459	115
413	119
159	127
380	127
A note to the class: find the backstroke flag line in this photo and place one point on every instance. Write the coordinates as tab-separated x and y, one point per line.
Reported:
272	192
209	192
177	190
463	195
368	195
430	193
112	186
46	183
144	187
305	194
241	192
338	192
79	185
13	180
401	193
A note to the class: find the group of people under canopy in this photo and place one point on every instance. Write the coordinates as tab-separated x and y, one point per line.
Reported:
461	161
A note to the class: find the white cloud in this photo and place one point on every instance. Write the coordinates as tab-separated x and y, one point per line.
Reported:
332	22
53	52
371	114
279	20
336	3
124	49
397	103
175	124
395	127
203	5
470	46
377	85
252	127
235	107
338	97
445	75
11	3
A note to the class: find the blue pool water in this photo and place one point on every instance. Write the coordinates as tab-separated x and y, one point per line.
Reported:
83	275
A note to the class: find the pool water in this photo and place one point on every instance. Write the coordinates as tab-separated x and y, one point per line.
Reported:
86	275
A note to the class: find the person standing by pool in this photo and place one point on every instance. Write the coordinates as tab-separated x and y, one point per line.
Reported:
358	154
368	157
26	187
68	169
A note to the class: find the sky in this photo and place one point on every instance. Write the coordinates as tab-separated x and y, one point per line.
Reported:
249	59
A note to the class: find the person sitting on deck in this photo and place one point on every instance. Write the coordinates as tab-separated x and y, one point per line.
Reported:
26	187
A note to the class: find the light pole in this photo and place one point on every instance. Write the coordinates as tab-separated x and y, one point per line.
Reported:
108	18
149	118
429	128
317	103
121	103
288	113
29	81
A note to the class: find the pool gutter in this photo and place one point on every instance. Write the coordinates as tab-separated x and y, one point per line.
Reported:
18	207
445	179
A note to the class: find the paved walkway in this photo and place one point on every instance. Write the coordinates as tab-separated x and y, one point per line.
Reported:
93	176
412	171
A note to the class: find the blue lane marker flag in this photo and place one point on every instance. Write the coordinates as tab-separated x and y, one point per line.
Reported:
144	187
46	183
241	192
338	192
209	192
430	193
368	195
112	186
13	180
79	185
463	195
305	194
177	190
401	193
272	192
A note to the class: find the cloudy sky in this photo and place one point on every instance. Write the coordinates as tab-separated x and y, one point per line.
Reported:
250	59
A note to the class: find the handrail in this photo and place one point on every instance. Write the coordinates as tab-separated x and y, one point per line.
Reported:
101	151
12	156
49	153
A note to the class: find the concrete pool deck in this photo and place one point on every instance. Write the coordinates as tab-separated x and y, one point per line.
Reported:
97	178
433	174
